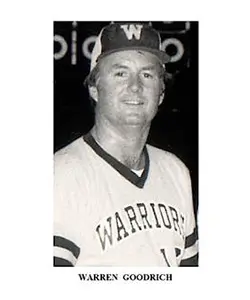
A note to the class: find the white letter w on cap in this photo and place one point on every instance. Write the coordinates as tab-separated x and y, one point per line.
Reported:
132	30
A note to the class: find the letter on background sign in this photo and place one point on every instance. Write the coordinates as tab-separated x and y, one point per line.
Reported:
64	47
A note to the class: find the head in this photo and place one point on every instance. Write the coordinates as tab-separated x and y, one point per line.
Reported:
127	74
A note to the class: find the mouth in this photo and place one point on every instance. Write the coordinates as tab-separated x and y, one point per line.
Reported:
133	103
136	102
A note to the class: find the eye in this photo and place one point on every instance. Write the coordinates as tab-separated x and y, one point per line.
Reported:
147	75
120	74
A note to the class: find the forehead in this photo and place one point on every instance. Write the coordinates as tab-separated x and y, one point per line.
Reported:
131	57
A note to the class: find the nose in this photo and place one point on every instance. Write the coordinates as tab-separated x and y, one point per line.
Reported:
135	83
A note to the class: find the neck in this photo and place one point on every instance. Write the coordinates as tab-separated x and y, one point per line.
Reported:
125	144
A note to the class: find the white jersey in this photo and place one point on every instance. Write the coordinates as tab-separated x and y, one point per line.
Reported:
106	215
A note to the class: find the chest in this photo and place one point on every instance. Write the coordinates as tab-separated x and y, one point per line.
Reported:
131	225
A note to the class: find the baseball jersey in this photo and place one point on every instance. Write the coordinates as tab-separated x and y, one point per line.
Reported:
107	215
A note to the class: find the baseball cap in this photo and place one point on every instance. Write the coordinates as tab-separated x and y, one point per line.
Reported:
123	36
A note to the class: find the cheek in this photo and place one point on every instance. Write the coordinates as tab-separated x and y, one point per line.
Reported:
109	89
153	93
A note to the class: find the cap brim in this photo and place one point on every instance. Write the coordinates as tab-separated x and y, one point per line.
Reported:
162	56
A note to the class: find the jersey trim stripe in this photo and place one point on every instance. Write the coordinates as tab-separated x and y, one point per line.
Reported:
64	243
138	181
191	251
65	254
60	262
191	261
191	239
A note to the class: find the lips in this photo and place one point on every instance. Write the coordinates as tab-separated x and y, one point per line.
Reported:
133	101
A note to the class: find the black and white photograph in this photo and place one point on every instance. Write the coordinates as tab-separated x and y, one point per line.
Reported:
125	138
126	144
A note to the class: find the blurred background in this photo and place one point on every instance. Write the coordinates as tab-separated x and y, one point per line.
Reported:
175	128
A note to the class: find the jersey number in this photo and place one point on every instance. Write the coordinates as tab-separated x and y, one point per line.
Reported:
165	257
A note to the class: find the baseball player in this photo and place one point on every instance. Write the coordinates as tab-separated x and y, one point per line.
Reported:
119	201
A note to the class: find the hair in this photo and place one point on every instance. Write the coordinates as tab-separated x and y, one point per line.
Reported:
92	77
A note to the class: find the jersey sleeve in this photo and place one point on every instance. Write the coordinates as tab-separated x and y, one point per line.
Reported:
190	255
66	240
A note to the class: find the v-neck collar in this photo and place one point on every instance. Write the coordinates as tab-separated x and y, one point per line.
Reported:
138	181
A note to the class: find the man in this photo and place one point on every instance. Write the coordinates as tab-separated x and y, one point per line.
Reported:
118	200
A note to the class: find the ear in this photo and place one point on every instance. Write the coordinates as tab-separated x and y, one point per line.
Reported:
162	95
93	93
161	98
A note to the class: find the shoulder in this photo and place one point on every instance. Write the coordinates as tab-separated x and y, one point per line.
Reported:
168	160
70	166
70	153
68	160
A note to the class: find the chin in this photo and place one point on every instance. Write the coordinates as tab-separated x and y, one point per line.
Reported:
135	118
135	121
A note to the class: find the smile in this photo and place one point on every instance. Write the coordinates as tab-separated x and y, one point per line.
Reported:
134	102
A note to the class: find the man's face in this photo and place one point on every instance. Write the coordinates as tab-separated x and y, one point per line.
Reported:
129	88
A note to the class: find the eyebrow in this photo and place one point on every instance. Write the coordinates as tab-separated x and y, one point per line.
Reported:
121	66
150	68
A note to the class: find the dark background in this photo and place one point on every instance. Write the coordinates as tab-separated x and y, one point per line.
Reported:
175	128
